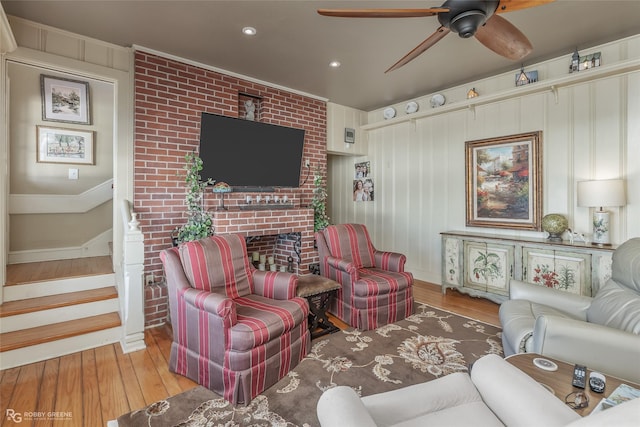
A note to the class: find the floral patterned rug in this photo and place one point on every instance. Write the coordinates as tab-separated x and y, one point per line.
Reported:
429	344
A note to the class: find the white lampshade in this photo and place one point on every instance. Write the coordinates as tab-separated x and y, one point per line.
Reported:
608	192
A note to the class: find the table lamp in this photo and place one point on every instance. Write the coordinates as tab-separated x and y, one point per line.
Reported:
599	193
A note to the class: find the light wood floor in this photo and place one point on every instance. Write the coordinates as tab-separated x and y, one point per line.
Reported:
98	385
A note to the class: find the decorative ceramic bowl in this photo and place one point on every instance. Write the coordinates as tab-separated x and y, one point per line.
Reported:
555	225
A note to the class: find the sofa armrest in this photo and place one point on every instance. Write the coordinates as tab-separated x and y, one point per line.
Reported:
575	305
516	398
215	304
390	261
341	407
275	285
598	347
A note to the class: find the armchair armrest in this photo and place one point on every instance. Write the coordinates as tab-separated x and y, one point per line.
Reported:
342	265
341	407
598	347
275	285
575	305
213	303
390	261
515	397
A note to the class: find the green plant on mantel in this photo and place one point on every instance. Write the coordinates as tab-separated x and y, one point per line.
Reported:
199	222
319	202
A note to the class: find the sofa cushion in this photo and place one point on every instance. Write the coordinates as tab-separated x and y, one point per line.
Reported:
218	264
617	307
626	264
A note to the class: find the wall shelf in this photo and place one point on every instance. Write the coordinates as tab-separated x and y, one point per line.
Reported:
551	85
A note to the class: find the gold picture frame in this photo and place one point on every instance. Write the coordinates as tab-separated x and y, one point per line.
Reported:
67	146
504	182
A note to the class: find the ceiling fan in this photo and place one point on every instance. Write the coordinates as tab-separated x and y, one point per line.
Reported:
465	17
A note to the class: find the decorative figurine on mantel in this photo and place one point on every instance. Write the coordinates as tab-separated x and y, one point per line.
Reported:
250	108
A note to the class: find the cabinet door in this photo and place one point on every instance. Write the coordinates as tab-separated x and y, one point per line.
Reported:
566	271
451	262
488	266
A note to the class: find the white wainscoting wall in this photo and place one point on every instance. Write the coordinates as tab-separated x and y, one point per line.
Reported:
590	130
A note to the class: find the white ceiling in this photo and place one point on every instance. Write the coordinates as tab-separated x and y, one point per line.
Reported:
294	44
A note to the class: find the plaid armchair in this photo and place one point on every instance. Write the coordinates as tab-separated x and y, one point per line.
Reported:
236	330
375	288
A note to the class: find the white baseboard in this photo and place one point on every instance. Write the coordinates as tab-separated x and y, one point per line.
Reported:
98	246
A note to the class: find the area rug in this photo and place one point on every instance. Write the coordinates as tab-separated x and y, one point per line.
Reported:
427	345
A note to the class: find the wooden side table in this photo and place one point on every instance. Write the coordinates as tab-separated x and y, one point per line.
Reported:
318	290
559	381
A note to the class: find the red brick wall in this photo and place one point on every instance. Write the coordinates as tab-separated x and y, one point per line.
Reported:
169	98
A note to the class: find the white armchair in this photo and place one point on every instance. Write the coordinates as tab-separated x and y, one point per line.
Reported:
602	333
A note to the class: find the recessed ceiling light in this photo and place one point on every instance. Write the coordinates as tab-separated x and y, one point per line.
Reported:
334	64
250	31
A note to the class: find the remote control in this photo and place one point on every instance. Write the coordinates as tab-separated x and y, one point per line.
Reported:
579	376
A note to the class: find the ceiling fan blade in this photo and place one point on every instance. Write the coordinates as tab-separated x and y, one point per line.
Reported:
382	13
504	38
511	5
430	41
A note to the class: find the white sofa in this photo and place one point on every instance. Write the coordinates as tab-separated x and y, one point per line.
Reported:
602	332
495	394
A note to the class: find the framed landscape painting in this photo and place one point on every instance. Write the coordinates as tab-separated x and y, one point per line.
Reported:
65	100
504	182
57	145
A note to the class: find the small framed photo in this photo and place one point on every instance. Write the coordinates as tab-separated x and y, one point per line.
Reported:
57	145
65	100
349	135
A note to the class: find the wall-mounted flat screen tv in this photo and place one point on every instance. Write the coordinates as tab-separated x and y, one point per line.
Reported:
250	155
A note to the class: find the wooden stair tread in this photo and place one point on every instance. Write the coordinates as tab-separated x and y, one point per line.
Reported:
11	308
56	331
34	272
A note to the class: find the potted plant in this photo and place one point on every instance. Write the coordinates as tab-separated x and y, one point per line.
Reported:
199	221
319	202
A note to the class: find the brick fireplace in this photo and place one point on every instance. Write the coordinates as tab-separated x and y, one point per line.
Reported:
170	97
281	233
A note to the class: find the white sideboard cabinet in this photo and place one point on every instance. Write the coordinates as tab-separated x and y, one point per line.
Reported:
482	265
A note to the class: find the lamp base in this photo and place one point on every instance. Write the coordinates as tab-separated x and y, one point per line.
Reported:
601	228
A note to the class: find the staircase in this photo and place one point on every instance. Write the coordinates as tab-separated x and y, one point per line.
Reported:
55	308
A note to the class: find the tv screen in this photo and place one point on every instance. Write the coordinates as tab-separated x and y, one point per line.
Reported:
249	154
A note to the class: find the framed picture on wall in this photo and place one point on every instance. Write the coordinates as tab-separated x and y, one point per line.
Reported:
57	145
504	182
65	100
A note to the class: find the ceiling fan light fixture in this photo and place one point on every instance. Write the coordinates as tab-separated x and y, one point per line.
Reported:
334	64
466	24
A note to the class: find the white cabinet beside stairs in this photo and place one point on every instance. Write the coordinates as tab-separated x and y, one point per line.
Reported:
482	265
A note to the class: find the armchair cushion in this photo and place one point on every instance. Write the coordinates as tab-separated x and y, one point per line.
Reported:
356	238
617	307
262	319
217	265
380	282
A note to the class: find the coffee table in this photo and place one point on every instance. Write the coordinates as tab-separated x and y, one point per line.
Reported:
559	382
318	291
